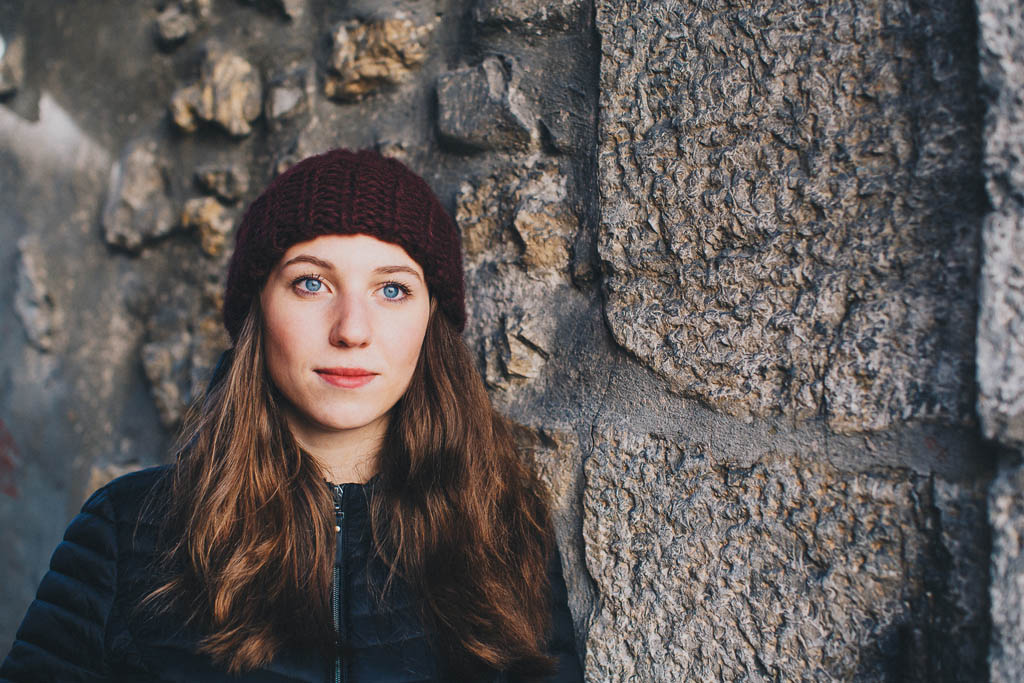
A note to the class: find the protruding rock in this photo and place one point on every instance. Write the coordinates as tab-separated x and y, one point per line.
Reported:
480	107
173	25
526	342
545	223
288	95
12	65
212	220
282	101
179	20
534	204
138	208
534	16
228	93
521	350
178	358
166	360
229	183
479	212
367	56
33	301
557	127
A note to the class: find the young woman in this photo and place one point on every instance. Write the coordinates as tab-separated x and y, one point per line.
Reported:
345	503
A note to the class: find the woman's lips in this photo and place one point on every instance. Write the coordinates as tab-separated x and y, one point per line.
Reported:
347	378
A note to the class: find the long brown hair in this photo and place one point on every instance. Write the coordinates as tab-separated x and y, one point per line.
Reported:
454	513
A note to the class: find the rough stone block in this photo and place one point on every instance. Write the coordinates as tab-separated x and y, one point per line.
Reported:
525	207
367	56
480	107
1001	319
1006	515
174	25
228	182
165	361
789	208
777	569
138	208
1000	348
212	220
178	358
228	93
12	65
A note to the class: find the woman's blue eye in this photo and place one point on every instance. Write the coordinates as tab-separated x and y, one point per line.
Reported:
311	284
391	291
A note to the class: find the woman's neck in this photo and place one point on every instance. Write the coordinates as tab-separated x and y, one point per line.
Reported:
348	455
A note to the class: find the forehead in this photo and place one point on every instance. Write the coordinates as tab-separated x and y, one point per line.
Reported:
352	252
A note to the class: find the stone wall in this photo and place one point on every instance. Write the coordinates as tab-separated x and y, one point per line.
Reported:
1001	323
722	266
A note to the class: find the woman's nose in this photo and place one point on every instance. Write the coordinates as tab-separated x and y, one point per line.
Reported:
351	325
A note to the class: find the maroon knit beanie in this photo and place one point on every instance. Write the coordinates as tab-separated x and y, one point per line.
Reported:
345	193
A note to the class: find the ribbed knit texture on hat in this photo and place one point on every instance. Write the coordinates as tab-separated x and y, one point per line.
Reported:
346	193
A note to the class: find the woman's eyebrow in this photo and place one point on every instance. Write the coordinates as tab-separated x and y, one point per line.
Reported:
390	270
306	258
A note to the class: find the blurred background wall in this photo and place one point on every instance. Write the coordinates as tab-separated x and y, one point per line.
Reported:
750	276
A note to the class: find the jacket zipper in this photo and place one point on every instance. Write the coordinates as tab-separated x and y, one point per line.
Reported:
336	587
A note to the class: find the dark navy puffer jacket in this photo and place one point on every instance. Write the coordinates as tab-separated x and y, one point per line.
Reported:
84	624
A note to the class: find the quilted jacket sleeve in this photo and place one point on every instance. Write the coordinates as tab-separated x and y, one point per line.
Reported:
61	637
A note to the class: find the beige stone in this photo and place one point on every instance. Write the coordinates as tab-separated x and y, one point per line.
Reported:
212	220
228	182
228	93
138	209
367	56
12	64
164	360
33	299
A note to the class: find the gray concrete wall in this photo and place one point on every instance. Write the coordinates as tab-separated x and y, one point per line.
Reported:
723	265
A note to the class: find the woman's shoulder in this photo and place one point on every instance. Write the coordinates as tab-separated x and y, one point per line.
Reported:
133	496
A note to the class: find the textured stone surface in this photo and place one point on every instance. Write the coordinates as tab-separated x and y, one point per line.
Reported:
138	208
33	300
530	15
480	107
228	93
366	56
12	64
517	225
178	358
212	220
793	178
777	569
1001	324
1006	515
228	183
790	204
174	25
288	95
164	361
521	214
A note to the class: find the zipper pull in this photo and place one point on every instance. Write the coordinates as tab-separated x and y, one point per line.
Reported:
339	500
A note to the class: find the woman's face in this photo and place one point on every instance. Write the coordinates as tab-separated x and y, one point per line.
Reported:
344	318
